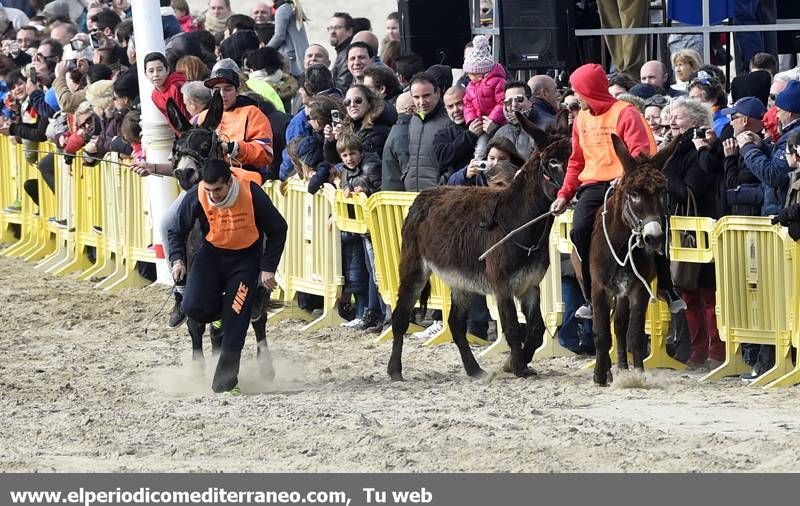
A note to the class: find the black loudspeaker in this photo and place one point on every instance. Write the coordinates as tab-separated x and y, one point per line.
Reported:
788	42
537	34
437	30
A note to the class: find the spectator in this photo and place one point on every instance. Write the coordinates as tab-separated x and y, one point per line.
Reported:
483	102
477	173
290	33
655	74
217	16
196	97
422	170
183	14
64	32
100	95
166	84
395	151
644	91
685	62
359	59
340	32
264	21
382	81
652	114
28	38
193	68
454	145
169	20
392	27
316	54
279	121
573	105
390	53
266	64
518	99
406	67
745	195
544	101
361	25
367	117
239	23
238	45
48	54
371	40
755	84
443	75
710	92
620	83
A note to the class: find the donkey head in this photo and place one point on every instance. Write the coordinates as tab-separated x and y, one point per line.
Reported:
553	148
643	192
195	144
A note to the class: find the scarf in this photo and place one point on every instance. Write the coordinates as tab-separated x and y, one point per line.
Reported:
216	25
230	199
262	75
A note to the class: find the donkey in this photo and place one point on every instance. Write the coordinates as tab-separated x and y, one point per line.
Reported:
632	225
189	152
447	229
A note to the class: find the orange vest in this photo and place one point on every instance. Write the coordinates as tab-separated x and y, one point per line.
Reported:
601	162
233	228
247	176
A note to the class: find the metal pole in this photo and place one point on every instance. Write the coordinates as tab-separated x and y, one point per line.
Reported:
706	35
157	136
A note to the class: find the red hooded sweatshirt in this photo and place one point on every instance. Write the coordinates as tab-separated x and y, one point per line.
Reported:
172	89
591	143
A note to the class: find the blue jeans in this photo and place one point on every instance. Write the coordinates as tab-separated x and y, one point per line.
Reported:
354	268
375	303
573	331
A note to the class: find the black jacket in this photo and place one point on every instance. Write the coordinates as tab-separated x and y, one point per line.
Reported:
453	148
367	175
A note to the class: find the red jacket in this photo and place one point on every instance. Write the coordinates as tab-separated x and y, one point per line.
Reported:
485	98
591	83
172	89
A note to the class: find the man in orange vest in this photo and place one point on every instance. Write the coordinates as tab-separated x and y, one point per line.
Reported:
234	214
594	166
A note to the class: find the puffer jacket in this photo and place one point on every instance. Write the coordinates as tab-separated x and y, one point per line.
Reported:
522	141
772	170
395	155
422	171
367	175
485	98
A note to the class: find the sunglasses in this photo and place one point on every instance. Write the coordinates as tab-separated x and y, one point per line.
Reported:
793	149
572	106
356	101
518	99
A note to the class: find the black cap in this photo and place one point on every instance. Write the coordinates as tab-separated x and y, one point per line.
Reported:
223	76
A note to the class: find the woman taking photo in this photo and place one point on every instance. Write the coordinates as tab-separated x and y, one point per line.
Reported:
367	117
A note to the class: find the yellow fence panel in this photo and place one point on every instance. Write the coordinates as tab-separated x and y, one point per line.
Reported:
703	229
350	212
755	275
10	212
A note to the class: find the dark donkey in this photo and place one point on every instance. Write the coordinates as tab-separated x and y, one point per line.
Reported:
633	227
448	228
189	151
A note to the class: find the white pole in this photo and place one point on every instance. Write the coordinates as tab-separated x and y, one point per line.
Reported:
157	136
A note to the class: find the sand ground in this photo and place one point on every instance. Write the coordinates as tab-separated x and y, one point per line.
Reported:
84	388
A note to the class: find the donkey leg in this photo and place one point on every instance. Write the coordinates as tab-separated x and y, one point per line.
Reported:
514	333
263	356
534	326
601	326
460	303
408	294
621	315
635	328
196	330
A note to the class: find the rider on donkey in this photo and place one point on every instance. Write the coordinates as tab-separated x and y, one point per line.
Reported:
235	215
594	166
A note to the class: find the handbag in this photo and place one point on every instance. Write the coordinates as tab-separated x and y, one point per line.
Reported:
685	275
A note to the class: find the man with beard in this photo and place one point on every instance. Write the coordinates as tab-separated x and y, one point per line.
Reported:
340	32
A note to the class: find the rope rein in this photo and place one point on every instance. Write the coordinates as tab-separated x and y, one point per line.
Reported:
634	241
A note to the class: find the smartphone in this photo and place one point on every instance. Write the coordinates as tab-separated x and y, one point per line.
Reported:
76	45
33	77
336	117
95	41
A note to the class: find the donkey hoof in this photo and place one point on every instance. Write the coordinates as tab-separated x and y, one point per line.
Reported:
395	375
477	373
265	367
197	356
525	372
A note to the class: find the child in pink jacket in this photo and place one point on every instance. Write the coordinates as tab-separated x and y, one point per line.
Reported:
483	101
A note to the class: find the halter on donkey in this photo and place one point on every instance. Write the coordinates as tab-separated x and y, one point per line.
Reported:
627	235
195	145
447	229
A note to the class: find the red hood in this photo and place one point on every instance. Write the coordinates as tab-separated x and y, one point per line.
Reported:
176	79
591	82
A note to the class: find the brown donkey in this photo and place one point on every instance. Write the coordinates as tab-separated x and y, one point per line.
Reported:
633	224
448	228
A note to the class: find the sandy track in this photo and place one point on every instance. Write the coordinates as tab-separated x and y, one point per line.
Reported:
84	389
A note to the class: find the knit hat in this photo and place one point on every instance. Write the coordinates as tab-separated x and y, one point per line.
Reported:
480	60
101	94
789	98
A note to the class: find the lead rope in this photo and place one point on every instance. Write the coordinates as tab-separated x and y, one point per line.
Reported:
634	241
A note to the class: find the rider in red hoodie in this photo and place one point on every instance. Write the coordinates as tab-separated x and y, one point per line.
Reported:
594	166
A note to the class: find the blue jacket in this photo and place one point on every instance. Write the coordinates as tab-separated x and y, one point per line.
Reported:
459	178
769	165
170	25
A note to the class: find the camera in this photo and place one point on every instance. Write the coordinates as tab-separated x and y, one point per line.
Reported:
336	117
32	75
482	165
699	133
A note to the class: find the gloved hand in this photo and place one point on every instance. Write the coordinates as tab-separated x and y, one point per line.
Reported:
787	215
230	148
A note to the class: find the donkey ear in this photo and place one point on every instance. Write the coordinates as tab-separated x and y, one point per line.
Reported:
562	122
628	164
176	117
536	133
214	113
661	158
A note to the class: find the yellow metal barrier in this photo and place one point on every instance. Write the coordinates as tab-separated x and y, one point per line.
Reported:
9	191
755	274
386	212
106	219
551	304
350	212
703	229
312	258
793	376
135	232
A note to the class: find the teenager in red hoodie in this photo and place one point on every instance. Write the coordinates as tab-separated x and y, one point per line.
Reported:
166	84
594	165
